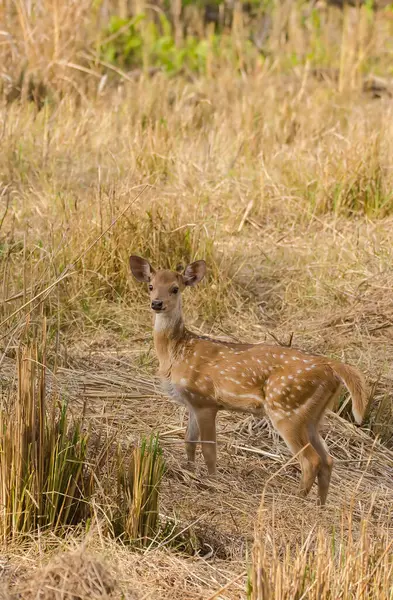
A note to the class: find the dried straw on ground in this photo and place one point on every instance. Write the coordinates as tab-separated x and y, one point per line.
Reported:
71	576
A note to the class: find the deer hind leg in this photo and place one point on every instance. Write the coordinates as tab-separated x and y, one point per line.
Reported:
192	436
206	418
298	441
325	470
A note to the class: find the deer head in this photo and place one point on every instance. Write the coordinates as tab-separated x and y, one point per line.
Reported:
165	286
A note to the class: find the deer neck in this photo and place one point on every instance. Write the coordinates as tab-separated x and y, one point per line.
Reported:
169	331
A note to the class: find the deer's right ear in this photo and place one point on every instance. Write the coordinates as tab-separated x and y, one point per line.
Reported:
141	269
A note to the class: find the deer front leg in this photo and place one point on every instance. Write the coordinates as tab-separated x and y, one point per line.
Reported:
206	418
192	436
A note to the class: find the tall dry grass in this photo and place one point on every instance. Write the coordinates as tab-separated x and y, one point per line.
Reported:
139	474
208	149
45	478
349	563
51	48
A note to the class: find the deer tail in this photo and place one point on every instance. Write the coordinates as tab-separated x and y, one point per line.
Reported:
356	385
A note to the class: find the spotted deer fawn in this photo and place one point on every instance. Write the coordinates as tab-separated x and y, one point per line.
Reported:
205	375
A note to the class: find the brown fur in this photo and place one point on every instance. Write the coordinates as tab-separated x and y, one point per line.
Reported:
293	388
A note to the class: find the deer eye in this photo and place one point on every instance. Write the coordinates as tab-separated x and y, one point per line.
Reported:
175	290
150	288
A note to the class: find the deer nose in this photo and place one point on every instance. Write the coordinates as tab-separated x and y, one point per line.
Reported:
156	304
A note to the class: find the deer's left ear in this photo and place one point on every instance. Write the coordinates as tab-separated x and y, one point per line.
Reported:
194	273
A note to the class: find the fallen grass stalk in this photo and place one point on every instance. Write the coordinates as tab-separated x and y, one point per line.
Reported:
227	585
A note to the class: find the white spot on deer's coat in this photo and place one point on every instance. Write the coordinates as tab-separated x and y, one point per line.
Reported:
234	395
234	380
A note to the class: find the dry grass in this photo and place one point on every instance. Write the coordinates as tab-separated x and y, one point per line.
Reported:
139	472
277	170
327	564
70	576
45	479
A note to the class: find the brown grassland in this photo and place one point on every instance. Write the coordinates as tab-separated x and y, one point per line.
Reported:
276	168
